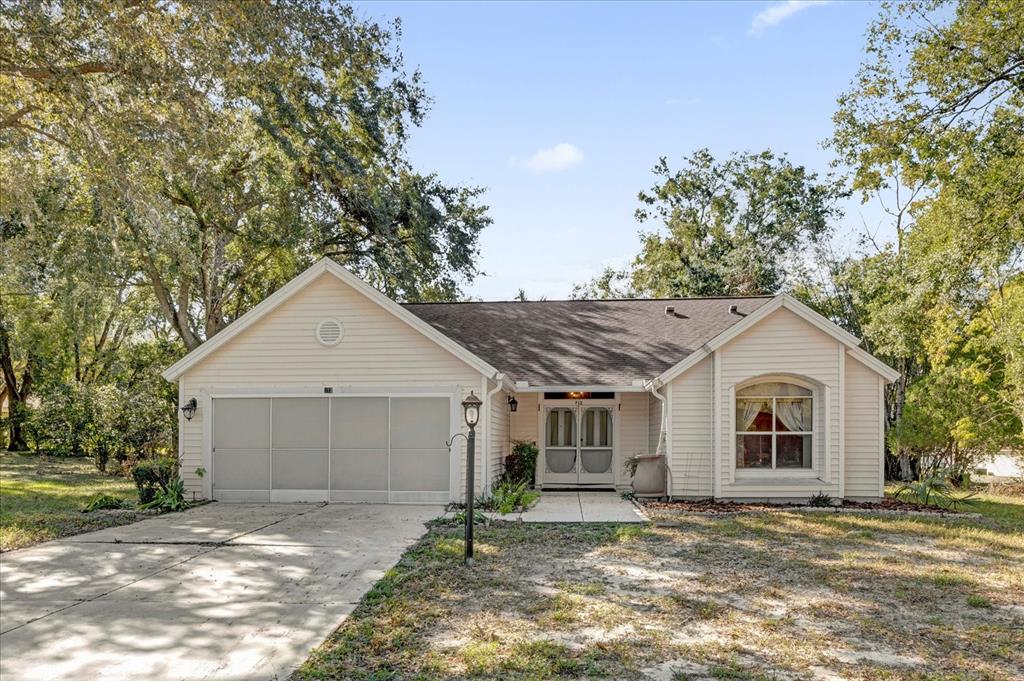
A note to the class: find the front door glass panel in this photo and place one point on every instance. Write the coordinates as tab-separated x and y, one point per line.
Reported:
578	445
561	441
596	443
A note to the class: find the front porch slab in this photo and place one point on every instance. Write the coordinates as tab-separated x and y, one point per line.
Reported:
582	507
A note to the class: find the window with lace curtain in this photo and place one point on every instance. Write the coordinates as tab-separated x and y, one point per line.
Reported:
774	426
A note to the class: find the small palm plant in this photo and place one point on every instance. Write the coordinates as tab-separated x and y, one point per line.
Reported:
935	489
508	497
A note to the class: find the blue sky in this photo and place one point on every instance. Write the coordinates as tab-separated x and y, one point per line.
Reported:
561	111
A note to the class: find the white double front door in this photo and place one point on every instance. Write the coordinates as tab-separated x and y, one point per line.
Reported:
578	445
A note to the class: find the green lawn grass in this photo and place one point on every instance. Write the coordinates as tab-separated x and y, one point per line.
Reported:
766	595
1003	510
41	498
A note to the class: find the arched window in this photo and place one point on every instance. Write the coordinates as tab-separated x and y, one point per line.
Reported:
774	426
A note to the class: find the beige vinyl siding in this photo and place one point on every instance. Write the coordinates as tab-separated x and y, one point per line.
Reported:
782	343
191	447
691	416
524	422
280	353
498	435
633	432
653	421
862	425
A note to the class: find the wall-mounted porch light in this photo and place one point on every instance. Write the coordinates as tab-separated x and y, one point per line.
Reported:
188	410
513	404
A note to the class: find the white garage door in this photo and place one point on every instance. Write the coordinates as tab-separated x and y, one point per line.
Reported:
381	449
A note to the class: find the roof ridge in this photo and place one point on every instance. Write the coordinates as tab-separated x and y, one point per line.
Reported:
593	300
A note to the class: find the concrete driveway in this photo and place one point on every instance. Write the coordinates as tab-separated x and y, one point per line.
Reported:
222	591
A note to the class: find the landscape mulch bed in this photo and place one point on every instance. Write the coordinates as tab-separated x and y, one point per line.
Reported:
711	506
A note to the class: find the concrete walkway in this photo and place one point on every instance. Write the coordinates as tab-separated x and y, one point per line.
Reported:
223	591
581	507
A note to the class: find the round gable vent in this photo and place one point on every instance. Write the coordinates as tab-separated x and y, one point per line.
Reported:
329	332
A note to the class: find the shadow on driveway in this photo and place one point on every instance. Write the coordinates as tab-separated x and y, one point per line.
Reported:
223	591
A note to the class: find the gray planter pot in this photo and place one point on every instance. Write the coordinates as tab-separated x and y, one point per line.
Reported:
649	479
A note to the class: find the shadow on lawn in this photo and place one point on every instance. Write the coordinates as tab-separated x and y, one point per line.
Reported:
734	597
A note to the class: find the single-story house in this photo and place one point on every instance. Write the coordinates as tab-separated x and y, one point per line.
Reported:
330	391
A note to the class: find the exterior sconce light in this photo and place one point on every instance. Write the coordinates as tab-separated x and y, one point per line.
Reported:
189	409
513	404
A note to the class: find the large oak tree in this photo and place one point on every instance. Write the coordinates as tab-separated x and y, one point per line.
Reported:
225	145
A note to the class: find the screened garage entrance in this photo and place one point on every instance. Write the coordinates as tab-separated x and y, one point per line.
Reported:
383	449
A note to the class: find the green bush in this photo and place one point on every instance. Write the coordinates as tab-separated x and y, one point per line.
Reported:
478	517
820	500
935	489
509	497
171	498
66	420
105	501
154	476
521	463
104	422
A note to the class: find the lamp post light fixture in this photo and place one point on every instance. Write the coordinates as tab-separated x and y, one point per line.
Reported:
188	409
471	410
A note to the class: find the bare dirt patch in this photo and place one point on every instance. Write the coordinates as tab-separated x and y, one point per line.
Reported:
784	595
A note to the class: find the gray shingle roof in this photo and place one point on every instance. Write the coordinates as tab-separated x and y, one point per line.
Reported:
585	342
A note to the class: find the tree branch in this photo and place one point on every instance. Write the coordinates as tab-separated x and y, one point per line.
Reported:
13	118
49	72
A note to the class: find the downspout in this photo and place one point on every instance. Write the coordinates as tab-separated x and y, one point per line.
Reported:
499	379
652	387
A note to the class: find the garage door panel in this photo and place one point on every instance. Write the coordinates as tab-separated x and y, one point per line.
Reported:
419	422
359	423
359	469
241	469
419	470
356	496
300	468
300	423
241	423
249	496
344	448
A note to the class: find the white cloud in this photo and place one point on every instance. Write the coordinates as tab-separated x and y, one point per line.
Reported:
553	159
779	12
684	101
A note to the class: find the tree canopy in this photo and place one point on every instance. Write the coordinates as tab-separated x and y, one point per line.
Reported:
167	165
738	226
934	122
222	146
932	128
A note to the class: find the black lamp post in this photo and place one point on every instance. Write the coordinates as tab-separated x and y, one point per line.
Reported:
471	410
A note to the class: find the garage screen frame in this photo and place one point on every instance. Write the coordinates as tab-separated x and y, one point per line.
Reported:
331	494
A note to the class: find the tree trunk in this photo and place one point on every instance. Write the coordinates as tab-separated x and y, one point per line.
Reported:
906	469
3	406
16	432
897	399
16	396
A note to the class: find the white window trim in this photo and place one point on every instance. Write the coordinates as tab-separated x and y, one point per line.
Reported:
773	473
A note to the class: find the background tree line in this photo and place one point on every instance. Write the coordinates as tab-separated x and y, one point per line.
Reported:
933	129
166	165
